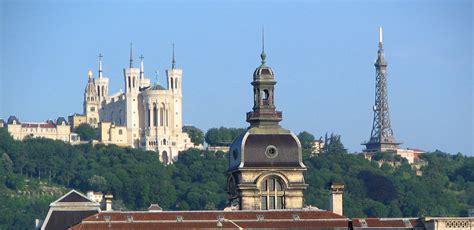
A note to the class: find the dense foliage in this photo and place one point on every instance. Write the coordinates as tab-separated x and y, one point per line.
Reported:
86	132
35	171
196	135
222	136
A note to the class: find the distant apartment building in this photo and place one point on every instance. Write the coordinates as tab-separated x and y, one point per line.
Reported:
56	130
411	155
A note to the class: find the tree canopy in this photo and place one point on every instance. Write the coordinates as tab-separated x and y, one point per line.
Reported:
34	172
196	135
86	132
222	136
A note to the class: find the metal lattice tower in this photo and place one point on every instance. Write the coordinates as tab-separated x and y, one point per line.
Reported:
381	137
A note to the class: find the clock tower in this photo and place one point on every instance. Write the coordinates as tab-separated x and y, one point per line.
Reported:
265	163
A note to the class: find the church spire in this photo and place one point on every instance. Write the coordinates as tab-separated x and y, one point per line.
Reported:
142	68
263	56
131	56
173	61
100	65
264	112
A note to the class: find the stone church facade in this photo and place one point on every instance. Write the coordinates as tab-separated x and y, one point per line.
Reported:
144	116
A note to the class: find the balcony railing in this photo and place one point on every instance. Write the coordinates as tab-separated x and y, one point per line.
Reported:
254	114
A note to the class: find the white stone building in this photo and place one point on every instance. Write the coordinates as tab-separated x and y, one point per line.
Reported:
56	130
152	114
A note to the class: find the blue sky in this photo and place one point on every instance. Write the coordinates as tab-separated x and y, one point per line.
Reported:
322	53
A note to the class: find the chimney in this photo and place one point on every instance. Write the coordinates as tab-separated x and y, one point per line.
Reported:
108	201
335	201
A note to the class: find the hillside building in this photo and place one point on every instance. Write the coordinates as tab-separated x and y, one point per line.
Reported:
56	130
144	116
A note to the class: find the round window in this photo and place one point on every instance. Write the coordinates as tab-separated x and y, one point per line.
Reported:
271	151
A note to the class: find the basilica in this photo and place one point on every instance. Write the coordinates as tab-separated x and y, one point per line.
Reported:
146	115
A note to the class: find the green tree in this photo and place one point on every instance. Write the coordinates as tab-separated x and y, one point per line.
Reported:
306	139
86	132
97	183
222	136
196	135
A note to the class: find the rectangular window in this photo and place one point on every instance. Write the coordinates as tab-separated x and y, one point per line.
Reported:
264	203
271	202
280	202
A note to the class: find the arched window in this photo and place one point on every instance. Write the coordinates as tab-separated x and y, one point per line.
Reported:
155	116
120	132
171	83
164	157
265	96
161	116
272	194
149	117
98	91
176	83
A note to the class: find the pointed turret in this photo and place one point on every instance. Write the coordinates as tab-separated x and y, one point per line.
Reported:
91	101
264	111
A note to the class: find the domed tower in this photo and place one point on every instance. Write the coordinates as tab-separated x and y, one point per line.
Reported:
91	102
265	162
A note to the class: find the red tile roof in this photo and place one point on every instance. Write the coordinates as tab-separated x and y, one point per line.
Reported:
209	219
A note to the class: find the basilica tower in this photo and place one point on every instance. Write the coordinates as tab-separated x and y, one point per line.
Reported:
131	77
102	83
174	77
91	102
265	162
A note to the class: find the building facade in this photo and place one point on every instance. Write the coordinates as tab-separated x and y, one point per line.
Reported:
143	116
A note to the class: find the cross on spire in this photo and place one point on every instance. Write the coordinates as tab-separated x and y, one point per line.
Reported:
131	56
100	65
173	61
